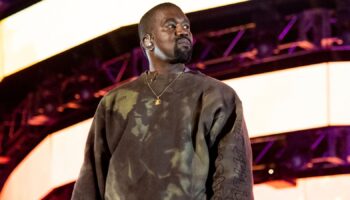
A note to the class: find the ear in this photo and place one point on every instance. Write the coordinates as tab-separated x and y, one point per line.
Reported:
147	42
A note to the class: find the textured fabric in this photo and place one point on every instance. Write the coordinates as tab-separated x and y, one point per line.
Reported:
194	145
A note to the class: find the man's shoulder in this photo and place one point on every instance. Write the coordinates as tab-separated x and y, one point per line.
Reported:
130	84
211	83
126	88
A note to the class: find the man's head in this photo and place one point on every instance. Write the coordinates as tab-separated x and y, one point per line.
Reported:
165	34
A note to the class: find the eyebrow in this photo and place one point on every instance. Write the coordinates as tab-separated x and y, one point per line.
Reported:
174	20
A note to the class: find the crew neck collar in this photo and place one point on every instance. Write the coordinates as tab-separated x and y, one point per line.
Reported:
168	75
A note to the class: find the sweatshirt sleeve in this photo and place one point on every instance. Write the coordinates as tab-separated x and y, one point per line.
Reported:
92	177
232	160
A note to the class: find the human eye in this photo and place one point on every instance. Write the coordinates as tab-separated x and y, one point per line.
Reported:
171	25
186	26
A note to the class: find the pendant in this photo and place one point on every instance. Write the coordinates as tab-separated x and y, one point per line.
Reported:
157	102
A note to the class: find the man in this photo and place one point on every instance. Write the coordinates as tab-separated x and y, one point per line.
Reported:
171	134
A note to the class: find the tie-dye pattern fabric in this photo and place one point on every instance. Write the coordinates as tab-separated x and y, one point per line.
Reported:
194	145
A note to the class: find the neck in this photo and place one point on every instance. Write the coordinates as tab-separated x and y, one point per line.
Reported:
167	68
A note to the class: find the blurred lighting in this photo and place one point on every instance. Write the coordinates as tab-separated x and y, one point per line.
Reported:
38	120
320	188
54	162
271	171
4	160
53	26
295	99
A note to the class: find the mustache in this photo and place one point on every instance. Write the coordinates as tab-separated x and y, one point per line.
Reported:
183	37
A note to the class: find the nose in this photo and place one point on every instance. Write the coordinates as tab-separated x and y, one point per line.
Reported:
181	31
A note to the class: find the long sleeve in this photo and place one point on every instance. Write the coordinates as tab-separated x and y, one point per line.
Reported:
232	177
92	177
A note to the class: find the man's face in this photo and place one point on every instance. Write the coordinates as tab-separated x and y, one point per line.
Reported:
172	37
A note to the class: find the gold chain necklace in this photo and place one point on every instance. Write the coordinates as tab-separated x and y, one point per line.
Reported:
158	101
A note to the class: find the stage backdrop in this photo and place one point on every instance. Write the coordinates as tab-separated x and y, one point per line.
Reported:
281	101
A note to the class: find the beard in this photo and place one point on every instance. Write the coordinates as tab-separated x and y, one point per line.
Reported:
182	54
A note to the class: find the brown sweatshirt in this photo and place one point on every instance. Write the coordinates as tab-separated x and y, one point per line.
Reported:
194	145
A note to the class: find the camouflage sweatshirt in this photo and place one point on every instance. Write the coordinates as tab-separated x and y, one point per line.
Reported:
194	145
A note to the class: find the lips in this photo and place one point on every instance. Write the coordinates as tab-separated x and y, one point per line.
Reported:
183	42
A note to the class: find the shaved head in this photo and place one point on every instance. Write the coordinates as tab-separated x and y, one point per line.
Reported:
165	36
145	25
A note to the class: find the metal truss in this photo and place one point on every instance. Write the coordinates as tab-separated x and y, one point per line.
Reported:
285	157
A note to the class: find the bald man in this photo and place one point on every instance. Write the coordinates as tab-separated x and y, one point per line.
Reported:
171	134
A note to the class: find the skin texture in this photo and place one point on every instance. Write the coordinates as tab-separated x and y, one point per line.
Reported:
168	45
